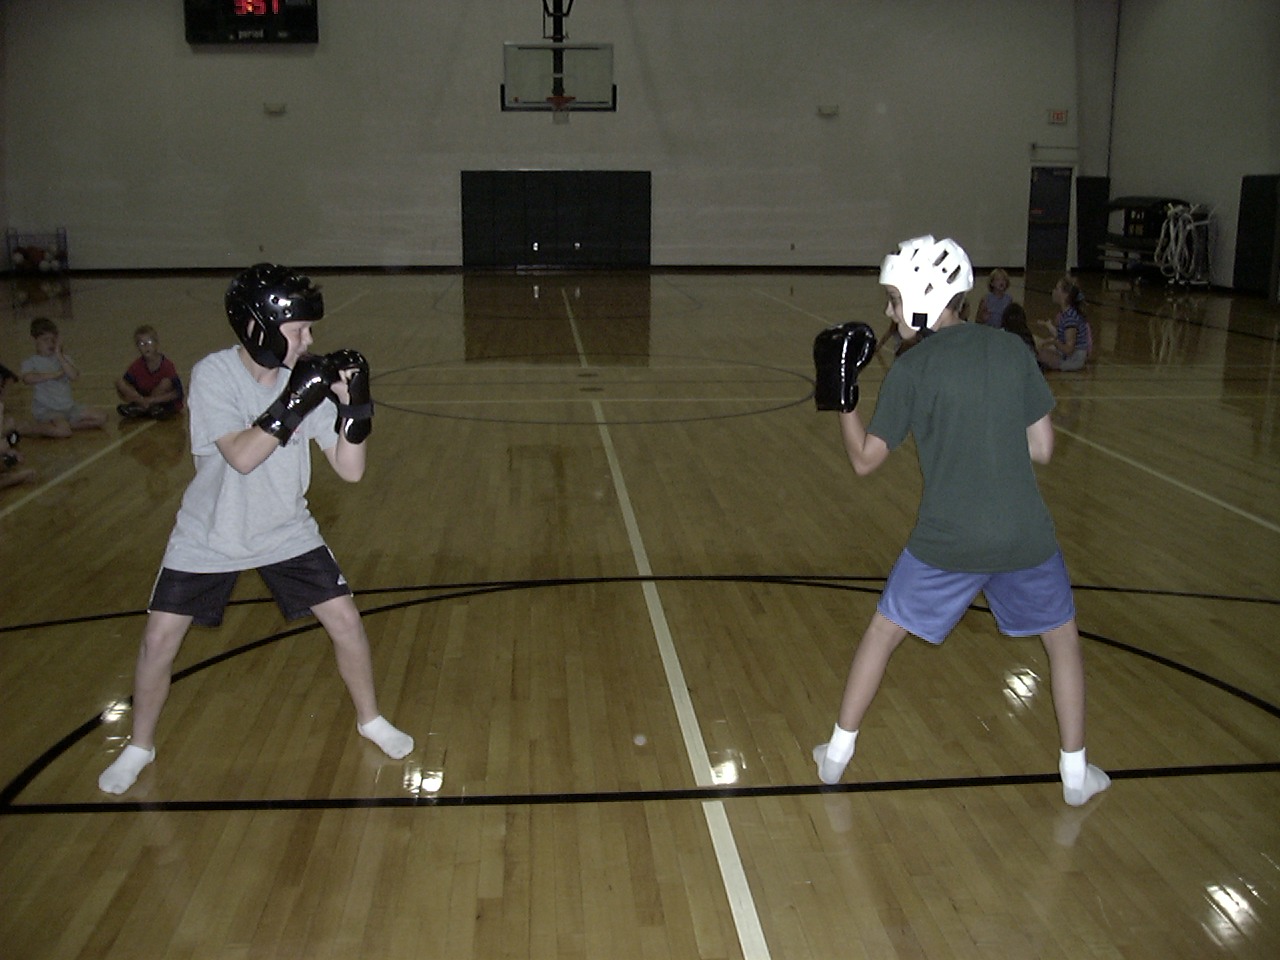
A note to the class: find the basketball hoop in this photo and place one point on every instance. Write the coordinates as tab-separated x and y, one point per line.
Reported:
560	107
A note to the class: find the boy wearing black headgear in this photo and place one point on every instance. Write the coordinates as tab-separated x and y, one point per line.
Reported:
246	507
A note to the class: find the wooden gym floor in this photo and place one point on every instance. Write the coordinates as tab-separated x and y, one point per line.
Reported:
613	566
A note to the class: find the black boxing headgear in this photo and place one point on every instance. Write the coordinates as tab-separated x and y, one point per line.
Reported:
263	297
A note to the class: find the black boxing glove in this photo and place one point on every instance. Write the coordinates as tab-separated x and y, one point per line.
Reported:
839	354
355	417
308	387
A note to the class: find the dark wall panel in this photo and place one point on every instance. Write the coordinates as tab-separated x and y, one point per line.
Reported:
556	218
1093	198
1257	265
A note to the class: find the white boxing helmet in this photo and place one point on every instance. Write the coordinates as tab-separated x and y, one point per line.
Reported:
928	273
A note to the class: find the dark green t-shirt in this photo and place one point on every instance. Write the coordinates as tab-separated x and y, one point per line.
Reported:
967	393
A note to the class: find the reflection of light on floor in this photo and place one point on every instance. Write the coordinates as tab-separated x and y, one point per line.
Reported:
727	770
1231	914
723	773
1020	688
115	711
419	782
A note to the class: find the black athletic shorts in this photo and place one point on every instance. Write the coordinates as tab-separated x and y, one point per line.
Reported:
297	585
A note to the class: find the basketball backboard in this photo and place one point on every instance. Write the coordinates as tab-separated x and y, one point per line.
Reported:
540	76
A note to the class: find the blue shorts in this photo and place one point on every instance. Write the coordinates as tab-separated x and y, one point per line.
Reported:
929	602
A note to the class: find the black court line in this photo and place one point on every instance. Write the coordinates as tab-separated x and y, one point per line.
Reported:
14	788
829	580
573	359
700	794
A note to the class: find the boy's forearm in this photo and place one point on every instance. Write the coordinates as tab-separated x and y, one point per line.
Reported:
348	459
247	449
855	442
1040	440
853	433
866	450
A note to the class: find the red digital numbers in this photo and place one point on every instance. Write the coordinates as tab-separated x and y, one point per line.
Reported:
254	8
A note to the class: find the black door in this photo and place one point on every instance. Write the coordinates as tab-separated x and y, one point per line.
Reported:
555	218
1049	218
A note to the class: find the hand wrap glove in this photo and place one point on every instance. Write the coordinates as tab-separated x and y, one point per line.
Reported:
355	418
308	387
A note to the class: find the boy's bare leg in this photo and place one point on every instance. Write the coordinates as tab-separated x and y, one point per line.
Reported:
1066	669
870	660
161	640
1080	779
11	475
90	419
57	429
12	478
1049	356
341	619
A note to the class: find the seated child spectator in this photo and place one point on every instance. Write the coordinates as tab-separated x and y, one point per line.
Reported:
7	427
996	301
10	472
49	373
1015	322
151	387
1071	340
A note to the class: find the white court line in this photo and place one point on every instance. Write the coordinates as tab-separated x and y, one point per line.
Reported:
827	321
32	494
745	917
1174	481
573	328
330	310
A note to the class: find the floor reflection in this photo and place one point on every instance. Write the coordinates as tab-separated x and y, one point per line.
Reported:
600	319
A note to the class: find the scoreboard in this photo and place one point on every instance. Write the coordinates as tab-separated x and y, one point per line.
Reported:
251	21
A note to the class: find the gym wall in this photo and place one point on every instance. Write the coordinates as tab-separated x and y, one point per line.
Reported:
155	154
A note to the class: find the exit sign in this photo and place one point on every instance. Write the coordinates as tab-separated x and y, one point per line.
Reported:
1057	116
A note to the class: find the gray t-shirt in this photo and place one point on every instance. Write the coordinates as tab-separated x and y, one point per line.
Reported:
233	521
49	397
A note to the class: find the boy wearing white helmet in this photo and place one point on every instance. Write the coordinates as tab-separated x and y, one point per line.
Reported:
978	407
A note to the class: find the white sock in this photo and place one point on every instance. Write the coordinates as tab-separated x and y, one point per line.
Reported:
1080	779
394	743
834	755
121	775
